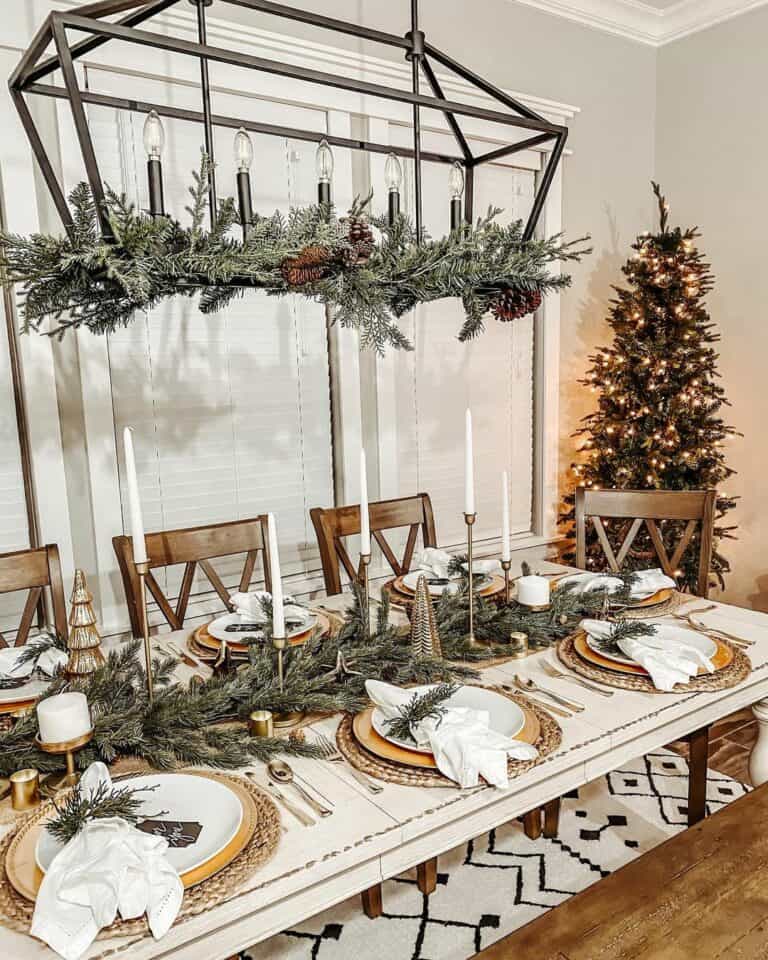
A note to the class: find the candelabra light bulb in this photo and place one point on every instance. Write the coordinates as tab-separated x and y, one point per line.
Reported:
154	136
393	173
324	162
243	151
456	181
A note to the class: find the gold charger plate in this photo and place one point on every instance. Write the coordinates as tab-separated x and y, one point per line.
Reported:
495	586
367	737
723	657
25	876
204	639
18	706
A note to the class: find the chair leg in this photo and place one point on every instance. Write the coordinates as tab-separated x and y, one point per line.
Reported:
426	876
532	824
373	905
552	818
698	756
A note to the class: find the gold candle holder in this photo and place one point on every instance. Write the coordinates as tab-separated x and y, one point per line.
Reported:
25	789
469	519
69	748
142	569
518	645
260	724
506	566
362	576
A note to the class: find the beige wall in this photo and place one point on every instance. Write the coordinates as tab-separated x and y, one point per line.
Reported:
712	138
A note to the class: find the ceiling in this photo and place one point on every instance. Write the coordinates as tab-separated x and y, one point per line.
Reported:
655	22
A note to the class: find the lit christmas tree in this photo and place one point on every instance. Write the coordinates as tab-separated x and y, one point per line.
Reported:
658	423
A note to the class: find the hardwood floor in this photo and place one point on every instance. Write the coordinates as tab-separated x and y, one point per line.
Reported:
730	742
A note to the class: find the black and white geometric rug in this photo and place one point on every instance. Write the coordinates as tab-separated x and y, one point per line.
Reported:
501	880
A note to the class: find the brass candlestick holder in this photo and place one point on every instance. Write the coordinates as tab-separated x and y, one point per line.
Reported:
142	569
69	748
506	566
469	519
362	576
289	717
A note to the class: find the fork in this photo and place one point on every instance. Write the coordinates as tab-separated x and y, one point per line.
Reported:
557	675
331	752
529	685
712	632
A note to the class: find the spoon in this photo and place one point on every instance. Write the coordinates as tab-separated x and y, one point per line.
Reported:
280	770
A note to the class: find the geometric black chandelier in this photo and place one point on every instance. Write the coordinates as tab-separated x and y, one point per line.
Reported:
89	20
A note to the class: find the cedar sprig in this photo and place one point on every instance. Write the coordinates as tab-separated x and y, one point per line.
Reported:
36	647
623	630
106	800
421	706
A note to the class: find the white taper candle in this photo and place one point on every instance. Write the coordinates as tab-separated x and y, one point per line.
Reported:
134	502
365	520
278	611
469	470
505	551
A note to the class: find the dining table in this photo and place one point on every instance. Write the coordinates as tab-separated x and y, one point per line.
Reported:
374	836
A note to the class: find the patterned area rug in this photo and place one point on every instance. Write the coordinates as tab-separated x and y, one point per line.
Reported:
501	880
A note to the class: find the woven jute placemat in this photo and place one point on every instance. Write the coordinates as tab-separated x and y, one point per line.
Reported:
549	739
736	671
16	912
671	605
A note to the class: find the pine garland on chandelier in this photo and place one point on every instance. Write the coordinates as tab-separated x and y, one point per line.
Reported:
84	280
658	423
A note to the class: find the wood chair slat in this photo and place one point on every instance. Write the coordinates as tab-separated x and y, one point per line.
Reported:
28	614
410	546
185	590
166	609
215	580
602	536
388	552
682	546
248	568
34	570
658	544
621	556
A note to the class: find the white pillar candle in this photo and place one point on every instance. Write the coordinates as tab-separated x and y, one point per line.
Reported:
63	717
278	612
505	550
365	520
469	470
134	503
533	591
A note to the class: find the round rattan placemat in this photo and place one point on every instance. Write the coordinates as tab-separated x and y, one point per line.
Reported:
729	676
16	912
388	770
670	605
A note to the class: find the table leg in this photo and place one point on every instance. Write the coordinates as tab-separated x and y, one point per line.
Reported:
532	824
426	876
758	760
373	905
698	756
551	818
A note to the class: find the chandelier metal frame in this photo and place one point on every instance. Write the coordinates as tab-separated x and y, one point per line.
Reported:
34	67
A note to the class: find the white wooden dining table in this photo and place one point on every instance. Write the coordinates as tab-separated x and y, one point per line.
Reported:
370	837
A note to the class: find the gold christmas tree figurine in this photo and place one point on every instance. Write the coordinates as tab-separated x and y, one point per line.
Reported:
425	640
84	641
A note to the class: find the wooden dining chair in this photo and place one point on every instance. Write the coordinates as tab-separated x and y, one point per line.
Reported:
638	508
333	525
695	508
34	570
194	547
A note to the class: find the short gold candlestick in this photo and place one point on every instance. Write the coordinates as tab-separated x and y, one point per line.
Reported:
506	566
469	519
362	576
69	748
142	569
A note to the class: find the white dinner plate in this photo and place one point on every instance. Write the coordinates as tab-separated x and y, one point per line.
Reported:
30	690
576	577
218	627
691	637
505	715
178	796
479	582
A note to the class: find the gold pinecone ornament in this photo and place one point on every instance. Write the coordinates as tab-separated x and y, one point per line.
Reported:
425	640
84	644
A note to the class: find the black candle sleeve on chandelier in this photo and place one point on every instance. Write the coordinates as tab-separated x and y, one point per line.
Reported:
323	191
456	205
244	200
394	205
155	182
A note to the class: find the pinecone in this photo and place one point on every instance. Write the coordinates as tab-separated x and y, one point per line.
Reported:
349	256
514	302
307	267
359	231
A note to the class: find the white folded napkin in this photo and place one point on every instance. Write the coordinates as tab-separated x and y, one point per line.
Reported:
647	582
667	655
464	746
248	606
50	661
110	867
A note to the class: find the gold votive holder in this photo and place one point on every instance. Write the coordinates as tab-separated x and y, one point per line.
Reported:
518	645
69	748
25	789
261	724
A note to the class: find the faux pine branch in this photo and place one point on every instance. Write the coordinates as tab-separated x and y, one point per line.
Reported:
623	630
421	706
81	806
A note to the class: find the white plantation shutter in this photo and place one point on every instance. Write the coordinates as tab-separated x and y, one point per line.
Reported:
230	410
492	375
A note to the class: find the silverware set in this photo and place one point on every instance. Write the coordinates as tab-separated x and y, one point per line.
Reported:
714	633
331	752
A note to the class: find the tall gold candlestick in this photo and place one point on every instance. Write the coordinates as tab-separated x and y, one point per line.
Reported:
469	519
142	569
506	566
362	575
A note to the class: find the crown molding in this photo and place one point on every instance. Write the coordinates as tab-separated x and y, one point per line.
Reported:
644	23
